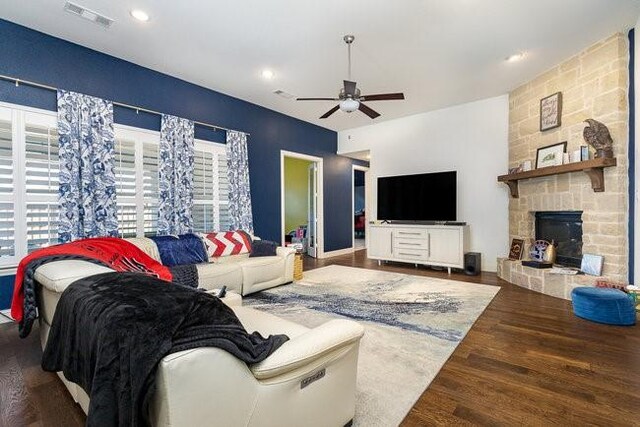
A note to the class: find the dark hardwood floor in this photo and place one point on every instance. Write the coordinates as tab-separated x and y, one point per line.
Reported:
527	361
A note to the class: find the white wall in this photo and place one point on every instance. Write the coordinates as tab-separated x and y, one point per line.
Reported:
471	139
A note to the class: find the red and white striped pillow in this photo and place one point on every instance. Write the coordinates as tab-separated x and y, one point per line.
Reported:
226	243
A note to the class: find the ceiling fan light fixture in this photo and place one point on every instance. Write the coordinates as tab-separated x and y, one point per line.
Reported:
349	105
350	97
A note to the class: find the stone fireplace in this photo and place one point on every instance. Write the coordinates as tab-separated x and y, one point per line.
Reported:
594	84
564	229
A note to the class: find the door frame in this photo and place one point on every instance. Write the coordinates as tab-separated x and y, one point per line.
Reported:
311	170
320	227
367	185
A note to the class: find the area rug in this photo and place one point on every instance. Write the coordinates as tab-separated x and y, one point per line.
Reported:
412	325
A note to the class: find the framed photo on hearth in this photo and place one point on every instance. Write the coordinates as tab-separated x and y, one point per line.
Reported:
517	247
551	155
551	112
592	264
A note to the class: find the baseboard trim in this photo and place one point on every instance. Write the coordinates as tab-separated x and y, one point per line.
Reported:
331	254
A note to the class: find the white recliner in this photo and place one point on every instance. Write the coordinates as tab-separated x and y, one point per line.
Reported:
309	381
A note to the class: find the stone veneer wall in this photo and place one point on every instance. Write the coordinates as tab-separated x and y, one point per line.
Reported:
594	84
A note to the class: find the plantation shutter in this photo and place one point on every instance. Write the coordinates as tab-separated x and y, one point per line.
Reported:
203	206
150	187
7	211
223	193
42	168
125	168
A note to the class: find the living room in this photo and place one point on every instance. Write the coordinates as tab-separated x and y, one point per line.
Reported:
461	247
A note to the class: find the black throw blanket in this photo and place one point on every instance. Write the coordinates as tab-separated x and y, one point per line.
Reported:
111	330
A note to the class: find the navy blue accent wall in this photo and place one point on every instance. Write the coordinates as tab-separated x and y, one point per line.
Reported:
31	55
6	291
632	154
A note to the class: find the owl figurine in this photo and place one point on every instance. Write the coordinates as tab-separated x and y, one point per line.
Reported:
597	135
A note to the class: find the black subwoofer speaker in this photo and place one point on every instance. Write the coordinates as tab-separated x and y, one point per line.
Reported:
472	263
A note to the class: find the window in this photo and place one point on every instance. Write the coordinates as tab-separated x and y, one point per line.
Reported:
29	170
210	188
150	188
42	168
29	181
137	188
7	222
136	167
125	170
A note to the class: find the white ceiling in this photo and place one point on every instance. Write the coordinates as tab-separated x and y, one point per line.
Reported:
438	52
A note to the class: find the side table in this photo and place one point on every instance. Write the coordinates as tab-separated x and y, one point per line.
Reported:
297	267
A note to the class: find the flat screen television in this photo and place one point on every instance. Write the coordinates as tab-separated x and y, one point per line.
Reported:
422	197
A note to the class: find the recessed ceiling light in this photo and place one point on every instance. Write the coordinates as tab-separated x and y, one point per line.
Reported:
515	57
267	74
140	15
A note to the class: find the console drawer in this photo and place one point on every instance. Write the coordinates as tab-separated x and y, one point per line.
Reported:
410	233
410	254
406	243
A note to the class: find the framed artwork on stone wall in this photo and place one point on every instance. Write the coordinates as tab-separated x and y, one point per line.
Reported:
551	112
551	155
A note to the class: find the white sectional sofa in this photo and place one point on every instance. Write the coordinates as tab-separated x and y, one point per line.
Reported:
239	273
310	380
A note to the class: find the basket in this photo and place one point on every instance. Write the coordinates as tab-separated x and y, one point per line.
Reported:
297	267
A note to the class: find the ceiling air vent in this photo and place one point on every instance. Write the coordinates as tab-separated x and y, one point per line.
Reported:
88	14
283	94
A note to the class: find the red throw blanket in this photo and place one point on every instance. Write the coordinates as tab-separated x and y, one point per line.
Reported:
114	253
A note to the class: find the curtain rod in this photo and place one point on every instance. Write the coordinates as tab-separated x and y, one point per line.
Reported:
18	82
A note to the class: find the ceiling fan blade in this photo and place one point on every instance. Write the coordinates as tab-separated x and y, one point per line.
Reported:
349	88
317	99
383	97
330	112
368	111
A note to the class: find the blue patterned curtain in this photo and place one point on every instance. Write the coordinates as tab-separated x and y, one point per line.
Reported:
239	189
87	194
175	176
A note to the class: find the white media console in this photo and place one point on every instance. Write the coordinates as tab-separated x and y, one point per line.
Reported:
437	245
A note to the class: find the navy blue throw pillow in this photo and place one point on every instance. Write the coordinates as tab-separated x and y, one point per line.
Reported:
181	250
263	248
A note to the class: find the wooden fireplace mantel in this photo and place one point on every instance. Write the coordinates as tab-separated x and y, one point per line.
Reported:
593	168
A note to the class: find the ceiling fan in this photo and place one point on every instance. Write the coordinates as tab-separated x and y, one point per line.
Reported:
350	98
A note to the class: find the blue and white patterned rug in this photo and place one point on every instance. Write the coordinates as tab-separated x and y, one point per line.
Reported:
412	325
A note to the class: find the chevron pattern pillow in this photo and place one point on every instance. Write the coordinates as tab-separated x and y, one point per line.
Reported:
226	243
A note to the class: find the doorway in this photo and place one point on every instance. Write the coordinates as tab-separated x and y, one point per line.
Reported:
359	207
301	194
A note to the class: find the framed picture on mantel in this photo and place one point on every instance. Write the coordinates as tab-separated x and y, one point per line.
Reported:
551	112
551	155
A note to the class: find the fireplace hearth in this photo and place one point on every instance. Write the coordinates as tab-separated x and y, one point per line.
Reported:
565	229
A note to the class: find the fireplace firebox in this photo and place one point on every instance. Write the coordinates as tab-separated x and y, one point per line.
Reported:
565	229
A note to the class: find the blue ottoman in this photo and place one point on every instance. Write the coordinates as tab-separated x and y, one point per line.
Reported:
603	305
